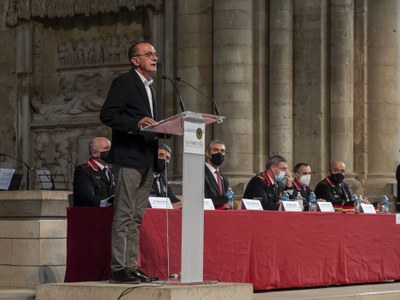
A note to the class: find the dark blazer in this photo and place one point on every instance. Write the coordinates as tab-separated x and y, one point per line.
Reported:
331	192
211	189
90	185
164	189
261	188
126	104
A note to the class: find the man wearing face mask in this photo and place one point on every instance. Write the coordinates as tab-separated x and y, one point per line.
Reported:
93	183
332	188
268	186
160	187
215	183
302	175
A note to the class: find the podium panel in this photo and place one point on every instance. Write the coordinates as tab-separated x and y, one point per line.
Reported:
192	126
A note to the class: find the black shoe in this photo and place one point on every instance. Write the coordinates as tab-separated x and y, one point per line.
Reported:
123	276
137	273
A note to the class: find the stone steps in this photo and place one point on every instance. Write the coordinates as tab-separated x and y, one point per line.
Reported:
381	291
16	294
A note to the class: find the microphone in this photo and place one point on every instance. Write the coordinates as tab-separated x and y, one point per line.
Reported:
215	106
181	104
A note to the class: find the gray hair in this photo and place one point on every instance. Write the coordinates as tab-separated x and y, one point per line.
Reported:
165	147
214	142
274	160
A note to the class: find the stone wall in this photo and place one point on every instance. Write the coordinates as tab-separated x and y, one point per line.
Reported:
33	232
312	80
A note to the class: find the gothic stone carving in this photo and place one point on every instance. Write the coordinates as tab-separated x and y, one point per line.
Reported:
28	9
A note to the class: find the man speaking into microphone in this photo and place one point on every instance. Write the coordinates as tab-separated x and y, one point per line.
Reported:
131	105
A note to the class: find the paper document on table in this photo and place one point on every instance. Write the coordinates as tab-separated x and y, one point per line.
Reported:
104	202
5	178
397	218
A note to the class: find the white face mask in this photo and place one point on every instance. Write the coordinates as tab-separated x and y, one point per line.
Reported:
305	179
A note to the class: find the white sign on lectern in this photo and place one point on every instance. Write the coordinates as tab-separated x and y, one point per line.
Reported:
192	126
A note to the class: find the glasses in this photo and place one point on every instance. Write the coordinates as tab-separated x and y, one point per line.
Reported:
149	54
282	168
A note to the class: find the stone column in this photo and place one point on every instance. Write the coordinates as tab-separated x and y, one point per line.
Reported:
281	79
233	86
310	82
383	95
194	52
23	121
360	91
341	84
193	58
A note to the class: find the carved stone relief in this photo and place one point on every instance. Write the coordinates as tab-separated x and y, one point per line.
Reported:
28	9
74	61
101	51
74	67
58	150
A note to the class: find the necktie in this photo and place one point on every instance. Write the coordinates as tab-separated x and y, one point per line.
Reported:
159	184
106	170
219	181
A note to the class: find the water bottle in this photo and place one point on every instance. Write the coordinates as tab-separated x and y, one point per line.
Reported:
300	200
230	195
285	196
312	200
356	200
385	205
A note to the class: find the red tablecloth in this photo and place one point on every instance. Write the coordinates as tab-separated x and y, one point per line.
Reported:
269	249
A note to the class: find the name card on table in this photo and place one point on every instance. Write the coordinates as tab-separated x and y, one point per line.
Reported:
251	204
325	207
160	202
367	208
208	204
290	206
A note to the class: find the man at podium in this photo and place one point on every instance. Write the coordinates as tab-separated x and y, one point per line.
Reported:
131	105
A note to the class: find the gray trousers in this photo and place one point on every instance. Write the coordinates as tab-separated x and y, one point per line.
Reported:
131	198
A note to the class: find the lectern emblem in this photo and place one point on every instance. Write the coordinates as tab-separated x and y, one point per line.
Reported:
199	133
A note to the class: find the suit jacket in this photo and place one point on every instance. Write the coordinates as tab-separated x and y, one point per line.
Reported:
211	189
126	104
260	187
328	190
163	185
90	185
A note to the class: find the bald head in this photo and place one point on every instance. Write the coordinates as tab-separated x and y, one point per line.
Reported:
98	145
337	166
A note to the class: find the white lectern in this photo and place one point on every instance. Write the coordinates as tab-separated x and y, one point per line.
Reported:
192	126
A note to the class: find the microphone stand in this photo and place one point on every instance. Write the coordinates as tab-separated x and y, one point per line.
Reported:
215	106
28	168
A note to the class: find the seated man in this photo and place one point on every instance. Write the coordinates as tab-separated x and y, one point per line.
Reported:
215	183
332	188
159	188
269	185
302	178
93	183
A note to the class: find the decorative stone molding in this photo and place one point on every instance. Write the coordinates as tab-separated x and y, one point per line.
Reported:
29	9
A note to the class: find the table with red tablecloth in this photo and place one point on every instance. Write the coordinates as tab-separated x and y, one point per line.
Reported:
270	249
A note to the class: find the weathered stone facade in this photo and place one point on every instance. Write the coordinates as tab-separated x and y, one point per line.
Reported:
312	80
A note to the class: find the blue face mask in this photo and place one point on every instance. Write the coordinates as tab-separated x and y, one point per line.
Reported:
280	177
